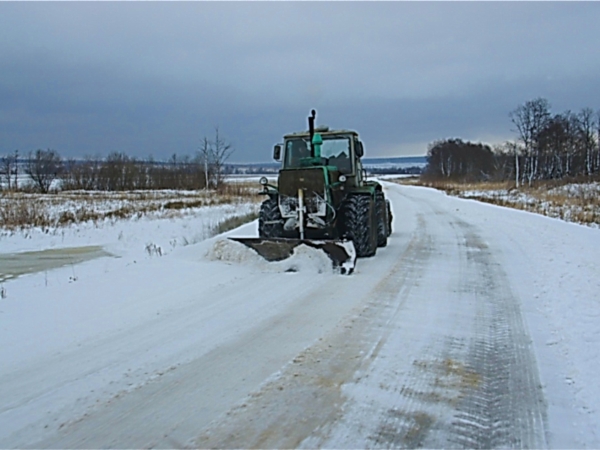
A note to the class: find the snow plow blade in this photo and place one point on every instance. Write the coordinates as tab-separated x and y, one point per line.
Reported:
341	253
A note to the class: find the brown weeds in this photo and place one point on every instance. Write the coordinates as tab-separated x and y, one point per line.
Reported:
15	211
550	198
20	210
234	222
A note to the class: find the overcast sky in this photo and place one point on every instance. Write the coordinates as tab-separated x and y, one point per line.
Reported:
154	78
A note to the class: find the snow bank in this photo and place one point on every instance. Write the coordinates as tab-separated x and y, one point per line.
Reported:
304	259
131	237
231	251
307	259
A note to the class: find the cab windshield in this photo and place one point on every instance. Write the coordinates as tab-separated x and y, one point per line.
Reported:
335	151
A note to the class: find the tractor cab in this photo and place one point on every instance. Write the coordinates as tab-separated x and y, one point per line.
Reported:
338	150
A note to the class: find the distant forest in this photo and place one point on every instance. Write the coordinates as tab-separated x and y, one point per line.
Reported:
117	171
547	147
46	170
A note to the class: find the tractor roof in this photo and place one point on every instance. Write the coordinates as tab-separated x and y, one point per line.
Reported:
323	131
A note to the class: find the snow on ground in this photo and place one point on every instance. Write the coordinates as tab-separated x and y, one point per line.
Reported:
133	305
395	176
139	236
304	259
574	202
238	178
154	347
577	189
19	210
555	269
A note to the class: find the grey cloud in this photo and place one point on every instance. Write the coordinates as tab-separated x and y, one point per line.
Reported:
155	77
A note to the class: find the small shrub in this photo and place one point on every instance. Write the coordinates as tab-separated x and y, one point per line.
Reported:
153	250
177	205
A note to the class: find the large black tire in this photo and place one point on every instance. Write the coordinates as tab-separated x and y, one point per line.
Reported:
270	222
389	216
382	220
359	224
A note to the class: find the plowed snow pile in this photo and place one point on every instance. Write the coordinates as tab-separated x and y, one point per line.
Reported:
307	259
230	251
304	258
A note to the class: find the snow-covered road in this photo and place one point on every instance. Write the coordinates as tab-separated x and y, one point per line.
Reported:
475	327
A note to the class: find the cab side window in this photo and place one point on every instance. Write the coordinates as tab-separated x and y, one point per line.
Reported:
295	150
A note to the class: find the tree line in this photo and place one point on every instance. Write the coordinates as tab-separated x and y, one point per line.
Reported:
547	147
118	171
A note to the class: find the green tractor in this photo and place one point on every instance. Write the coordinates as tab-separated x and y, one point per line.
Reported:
322	199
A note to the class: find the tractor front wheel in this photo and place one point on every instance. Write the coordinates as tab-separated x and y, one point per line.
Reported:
270	222
360	224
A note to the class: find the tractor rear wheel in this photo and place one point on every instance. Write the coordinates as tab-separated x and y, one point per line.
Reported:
270	222
389	216
359	223
382	220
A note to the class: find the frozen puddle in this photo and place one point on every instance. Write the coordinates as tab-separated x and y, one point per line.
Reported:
13	265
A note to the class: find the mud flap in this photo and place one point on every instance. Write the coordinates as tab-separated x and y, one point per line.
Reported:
341	253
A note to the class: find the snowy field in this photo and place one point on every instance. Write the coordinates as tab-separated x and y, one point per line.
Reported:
574	202
475	327
21	210
128	226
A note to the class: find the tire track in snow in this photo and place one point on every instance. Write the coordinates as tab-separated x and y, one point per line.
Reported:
491	379
171	409
466	378
182	350
506	408
462	373
306	395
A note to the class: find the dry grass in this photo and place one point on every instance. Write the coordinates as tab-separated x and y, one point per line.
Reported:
410	181
573	202
455	188
15	212
234	222
19	210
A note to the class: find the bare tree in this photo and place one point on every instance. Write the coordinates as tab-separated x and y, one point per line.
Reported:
43	167
455	159
206	157
506	161
556	144
81	174
530	119
598	140
588	138
7	167
16	183
222	150
214	155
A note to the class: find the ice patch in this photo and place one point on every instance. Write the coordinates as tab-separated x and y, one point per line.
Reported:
304	259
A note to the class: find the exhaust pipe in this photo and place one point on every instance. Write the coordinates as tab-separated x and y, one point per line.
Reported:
311	130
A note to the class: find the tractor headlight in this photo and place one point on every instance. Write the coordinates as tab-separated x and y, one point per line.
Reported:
343	178
263	181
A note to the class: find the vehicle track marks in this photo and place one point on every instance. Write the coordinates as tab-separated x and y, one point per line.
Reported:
464	373
307	396
507	408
